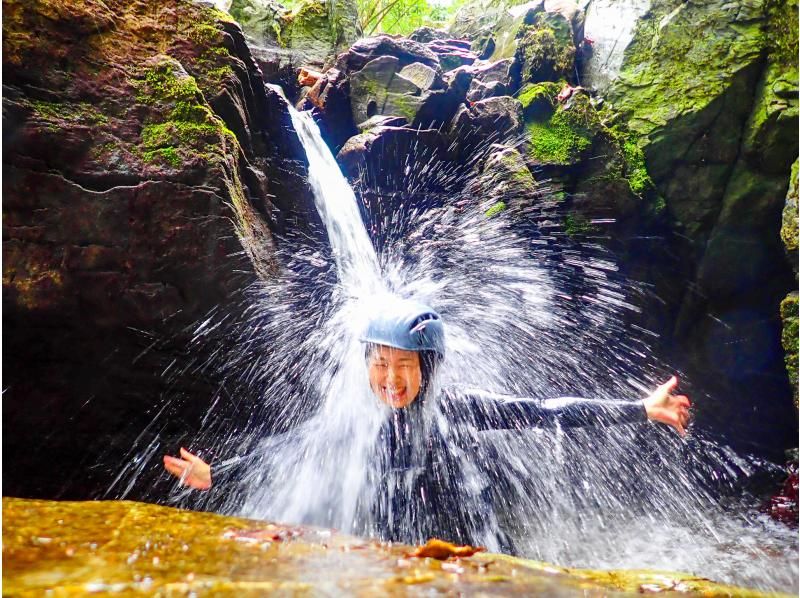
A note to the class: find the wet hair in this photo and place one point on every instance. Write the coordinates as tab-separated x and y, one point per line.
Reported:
428	364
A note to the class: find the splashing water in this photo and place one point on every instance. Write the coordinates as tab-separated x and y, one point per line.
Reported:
538	317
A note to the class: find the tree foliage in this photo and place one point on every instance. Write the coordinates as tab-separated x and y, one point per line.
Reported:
400	16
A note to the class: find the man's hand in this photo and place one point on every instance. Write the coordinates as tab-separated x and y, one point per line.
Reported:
667	408
191	470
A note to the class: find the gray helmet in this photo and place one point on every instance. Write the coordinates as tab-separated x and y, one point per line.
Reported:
410	326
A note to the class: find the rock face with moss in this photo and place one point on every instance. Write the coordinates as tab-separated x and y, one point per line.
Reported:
789	333
305	35
710	94
75	548
542	37
504	182
140	154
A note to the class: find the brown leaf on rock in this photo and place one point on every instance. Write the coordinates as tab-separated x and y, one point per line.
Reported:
271	533
439	549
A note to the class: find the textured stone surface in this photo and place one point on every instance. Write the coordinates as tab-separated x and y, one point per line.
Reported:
366	50
128	548
504	181
789	218
491	119
709	92
380	89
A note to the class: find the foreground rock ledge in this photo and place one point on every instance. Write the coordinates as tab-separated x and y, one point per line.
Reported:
127	548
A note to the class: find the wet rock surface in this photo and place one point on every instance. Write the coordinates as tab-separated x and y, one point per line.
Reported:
127	548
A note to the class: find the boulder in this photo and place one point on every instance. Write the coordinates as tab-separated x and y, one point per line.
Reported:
424	77
545	50
452	53
330	99
493	119
404	50
380	89
491	79
424	35
685	89
541	36
388	153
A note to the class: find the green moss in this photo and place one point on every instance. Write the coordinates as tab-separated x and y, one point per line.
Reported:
577	224
636	168
783	38
545	52
538	99
189	128
169	155
495	209
403	105
789	338
221	15
790	213
205	34
566	134
165	82
186	133
682	57
76	112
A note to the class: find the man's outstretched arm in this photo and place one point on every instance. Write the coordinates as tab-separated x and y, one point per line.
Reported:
499	412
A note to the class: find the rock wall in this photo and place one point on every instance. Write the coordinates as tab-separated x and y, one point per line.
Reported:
710	89
140	157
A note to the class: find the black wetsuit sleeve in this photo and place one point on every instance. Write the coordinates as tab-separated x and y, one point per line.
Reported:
501	412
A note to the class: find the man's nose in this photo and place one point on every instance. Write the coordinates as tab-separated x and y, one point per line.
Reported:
394	374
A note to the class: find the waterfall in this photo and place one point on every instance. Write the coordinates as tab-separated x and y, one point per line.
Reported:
355	257
530	315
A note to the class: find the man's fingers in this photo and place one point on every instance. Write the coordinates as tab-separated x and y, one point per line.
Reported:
683	400
670	384
679	427
175	466
187	455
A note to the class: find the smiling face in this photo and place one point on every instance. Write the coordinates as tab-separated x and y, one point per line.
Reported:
395	375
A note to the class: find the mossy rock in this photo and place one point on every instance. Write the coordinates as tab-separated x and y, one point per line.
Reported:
789	339
685	90
538	99
789	222
504	181
128	548
566	136
545	50
311	31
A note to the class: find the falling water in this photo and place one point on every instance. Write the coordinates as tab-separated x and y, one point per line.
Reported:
529	316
